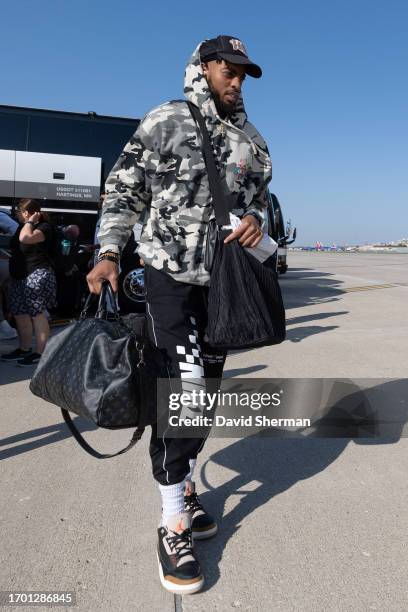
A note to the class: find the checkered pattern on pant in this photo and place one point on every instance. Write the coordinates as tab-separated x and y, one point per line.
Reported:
176	320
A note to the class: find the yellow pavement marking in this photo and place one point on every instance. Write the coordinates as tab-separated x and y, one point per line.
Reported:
369	287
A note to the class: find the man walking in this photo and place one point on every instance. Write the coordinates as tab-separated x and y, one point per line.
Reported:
162	169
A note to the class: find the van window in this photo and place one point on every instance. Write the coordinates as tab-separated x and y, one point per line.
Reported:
108	141
59	135
13	131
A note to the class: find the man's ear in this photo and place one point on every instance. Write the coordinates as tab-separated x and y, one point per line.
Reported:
204	66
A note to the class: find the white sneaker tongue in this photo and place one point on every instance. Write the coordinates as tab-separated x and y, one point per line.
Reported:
179	522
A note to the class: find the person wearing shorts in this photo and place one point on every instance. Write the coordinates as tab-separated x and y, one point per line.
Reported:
32	287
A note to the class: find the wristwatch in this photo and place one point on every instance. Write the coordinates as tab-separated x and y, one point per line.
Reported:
30	223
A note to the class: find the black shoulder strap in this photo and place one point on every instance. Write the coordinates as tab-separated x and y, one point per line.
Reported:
220	201
81	440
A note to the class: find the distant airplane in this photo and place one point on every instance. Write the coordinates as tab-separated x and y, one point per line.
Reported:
319	246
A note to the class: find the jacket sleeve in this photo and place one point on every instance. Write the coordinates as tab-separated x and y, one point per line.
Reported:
127	191
257	208
8	226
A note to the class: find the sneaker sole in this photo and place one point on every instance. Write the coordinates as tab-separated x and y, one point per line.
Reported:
27	365
203	535
179	589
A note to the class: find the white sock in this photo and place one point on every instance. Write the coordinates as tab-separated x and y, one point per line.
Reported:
192	463
172	500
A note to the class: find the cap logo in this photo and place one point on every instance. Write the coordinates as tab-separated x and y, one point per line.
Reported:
237	45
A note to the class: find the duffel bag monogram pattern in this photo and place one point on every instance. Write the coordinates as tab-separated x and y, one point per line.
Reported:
90	368
102	369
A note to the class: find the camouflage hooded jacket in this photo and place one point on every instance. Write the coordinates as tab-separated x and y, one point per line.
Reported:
162	169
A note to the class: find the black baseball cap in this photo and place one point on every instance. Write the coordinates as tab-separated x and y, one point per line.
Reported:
231	50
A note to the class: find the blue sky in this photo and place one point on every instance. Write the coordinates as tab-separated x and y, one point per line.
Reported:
332	104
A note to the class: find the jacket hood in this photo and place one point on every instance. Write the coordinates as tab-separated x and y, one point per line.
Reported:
196	90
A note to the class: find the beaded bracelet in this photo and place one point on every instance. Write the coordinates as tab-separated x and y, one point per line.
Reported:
112	253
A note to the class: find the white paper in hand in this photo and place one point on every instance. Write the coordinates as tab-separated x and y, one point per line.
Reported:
264	249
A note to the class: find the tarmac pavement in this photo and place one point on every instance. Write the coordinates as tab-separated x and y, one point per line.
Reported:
304	524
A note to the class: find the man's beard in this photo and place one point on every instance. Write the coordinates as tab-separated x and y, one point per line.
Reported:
222	107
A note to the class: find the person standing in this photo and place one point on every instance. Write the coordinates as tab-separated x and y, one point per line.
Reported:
8	227
32	288
162	170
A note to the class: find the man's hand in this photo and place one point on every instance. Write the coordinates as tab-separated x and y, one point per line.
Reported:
248	232
104	270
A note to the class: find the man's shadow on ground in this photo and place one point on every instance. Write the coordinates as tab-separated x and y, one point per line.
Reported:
277	463
304	287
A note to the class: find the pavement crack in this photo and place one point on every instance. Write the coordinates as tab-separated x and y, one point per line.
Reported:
178	603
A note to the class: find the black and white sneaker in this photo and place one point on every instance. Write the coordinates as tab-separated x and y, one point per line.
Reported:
179	570
29	360
202	524
14	355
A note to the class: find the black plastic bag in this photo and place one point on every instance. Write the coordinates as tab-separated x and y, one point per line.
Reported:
245	307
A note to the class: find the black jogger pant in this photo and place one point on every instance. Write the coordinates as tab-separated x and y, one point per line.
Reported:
176	318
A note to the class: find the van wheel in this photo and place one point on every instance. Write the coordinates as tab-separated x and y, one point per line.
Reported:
132	295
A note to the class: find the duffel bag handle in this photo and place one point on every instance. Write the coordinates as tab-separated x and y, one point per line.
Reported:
107	302
102	309
89	300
